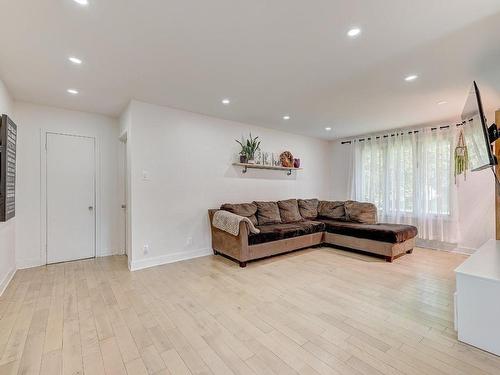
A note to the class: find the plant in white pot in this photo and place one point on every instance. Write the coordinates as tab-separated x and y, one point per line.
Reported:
248	148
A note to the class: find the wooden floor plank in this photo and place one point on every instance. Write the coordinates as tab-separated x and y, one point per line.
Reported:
52	363
113	362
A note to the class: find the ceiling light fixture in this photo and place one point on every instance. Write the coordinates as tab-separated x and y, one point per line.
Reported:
328	129
286	117
355	31
72	91
442	102
411	77
226	101
75	60
82	2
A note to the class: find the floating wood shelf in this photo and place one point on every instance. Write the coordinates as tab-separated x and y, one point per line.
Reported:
246	166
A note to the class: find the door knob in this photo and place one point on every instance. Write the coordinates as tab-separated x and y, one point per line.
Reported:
91	208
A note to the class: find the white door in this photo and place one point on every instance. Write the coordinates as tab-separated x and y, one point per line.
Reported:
70	197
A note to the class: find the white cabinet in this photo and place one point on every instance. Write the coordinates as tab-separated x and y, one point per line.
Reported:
477	298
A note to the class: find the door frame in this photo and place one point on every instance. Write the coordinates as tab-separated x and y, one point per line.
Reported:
43	191
124	190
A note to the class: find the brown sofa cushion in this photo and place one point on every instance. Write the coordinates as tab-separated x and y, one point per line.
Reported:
308	208
289	211
361	212
268	213
392	233
243	209
332	210
275	232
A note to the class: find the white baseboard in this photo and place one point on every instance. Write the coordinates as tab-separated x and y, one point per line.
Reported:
6	280
464	250
107	253
22	264
170	258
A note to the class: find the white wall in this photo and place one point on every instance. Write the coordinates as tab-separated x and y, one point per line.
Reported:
8	229
476	204
187	158
32	120
339	166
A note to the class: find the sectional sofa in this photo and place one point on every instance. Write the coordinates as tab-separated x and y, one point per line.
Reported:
301	223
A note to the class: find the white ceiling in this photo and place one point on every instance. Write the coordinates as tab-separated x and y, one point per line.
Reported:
271	57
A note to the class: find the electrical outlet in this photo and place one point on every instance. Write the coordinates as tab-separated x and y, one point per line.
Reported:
189	241
146	248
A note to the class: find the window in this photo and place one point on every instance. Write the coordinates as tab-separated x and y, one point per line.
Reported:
409	177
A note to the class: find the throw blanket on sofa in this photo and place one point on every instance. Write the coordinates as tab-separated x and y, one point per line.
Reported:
230	223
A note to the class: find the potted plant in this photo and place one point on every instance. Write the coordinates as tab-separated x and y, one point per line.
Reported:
243	151
248	149
243	155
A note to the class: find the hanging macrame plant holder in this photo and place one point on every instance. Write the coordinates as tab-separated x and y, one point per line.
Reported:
461	157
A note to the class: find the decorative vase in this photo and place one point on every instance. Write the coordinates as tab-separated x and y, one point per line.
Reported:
286	159
266	159
243	159
296	163
257	157
276	159
251	161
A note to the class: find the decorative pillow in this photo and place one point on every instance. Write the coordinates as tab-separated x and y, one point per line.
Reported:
361	212
308	208
243	209
268	213
289	211
332	210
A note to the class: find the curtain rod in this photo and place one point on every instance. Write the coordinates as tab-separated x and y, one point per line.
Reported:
401	133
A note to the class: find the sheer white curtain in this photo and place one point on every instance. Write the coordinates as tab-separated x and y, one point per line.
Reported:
409	177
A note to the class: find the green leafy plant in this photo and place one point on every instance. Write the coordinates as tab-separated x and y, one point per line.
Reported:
461	157
243	145
249	146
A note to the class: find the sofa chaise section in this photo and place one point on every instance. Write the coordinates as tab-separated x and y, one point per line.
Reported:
392	233
388	240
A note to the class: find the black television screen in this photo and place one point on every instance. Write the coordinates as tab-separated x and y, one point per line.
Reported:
476	132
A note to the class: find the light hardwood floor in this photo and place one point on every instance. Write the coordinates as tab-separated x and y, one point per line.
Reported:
319	311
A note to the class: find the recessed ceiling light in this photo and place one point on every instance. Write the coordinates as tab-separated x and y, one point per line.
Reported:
355	31
411	77
82	2
442	102
72	91
328	129
75	60
226	101
286	117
